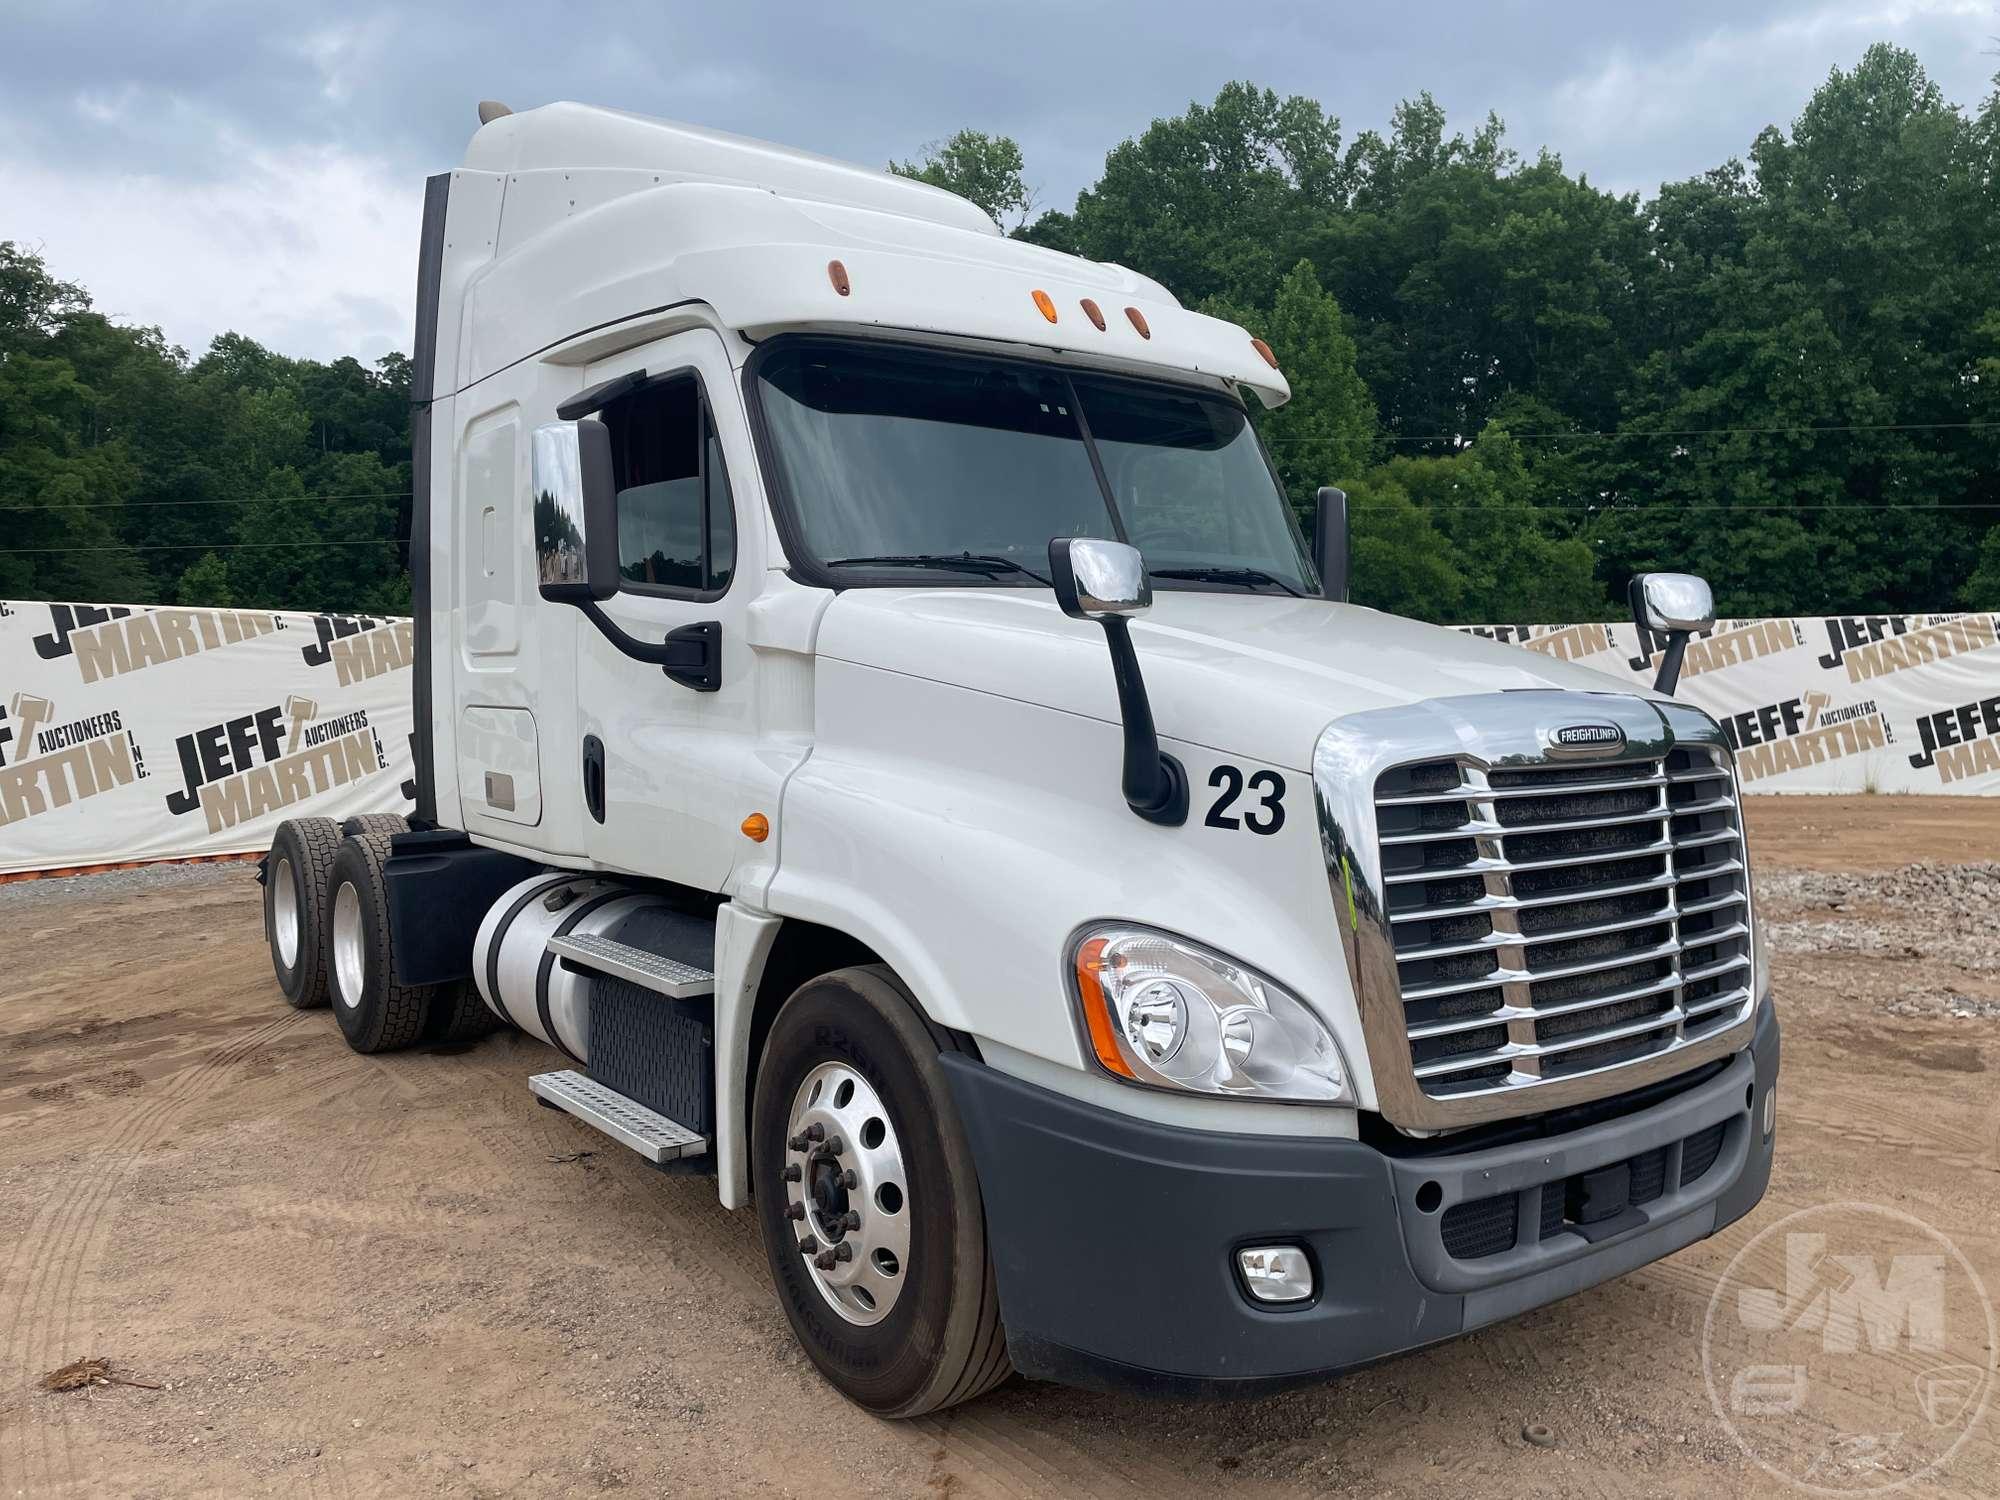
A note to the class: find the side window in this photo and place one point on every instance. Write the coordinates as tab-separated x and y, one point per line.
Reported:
676	527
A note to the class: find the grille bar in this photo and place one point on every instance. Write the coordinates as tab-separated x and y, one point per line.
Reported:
1566	920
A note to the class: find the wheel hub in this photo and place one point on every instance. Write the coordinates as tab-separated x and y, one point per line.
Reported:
849	1194
285	912
349	951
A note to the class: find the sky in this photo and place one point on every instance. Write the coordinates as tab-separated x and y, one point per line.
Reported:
210	166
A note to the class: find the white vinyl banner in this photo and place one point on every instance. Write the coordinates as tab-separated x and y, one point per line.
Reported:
156	733
1854	703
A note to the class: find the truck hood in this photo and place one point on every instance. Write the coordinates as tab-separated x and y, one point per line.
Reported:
1255	675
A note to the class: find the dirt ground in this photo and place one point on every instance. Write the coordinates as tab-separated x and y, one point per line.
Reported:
398	1276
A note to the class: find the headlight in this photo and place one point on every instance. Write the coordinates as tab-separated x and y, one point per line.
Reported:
1163	1012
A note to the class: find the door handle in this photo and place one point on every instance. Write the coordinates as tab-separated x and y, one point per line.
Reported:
593	776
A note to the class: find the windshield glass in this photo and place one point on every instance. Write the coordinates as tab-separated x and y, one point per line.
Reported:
892	456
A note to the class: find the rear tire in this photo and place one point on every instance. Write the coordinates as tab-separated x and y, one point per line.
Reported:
376	1014
898	1334
374	823
298	880
458	1014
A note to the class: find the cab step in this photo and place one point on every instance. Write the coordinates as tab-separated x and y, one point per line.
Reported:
648	970
630	1123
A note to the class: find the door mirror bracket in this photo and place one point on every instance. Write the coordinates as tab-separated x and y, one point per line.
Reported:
1106	582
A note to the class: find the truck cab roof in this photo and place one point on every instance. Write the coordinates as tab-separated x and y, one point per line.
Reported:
570	220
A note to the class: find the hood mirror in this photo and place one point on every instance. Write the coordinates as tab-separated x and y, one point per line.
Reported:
1675	605
1332	543
1106	582
1099	580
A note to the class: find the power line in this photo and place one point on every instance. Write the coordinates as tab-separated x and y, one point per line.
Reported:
375	541
1676	432
1669	507
245	500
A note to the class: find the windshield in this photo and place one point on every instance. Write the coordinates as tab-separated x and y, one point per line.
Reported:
897	459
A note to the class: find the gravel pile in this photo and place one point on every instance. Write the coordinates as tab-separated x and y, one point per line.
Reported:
26	895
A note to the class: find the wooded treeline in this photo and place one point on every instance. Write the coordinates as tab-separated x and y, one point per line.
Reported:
1783	373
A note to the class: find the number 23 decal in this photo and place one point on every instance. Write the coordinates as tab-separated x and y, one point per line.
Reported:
1267	786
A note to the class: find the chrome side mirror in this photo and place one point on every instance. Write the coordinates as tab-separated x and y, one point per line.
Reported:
1670	602
1107	582
1099	580
576	511
1674	605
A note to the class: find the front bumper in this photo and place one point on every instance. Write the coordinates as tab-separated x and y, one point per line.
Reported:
1114	1238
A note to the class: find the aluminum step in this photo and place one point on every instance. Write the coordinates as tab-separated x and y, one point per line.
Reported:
626	1121
664	976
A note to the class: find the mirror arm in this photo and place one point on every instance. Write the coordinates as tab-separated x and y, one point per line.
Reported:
691	655
1670	662
1155	783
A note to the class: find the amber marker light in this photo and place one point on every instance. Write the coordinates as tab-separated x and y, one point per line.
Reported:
756	828
837	274
1046	304
1264	350
1139	322
1096	1010
1093	312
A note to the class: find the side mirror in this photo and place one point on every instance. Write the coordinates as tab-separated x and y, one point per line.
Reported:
576	511
1099	580
1674	605
1107	582
1330	543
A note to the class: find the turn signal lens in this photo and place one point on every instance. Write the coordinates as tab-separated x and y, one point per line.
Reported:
1097	1008
756	828
1265	349
1046	304
837	274
1093	312
1139	322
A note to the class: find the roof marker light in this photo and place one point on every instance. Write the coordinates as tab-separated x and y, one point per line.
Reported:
1046	304
1139	322
1265	349
837	274
1094	313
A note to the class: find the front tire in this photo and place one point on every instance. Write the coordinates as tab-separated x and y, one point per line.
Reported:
906	1320
298	877
376	1014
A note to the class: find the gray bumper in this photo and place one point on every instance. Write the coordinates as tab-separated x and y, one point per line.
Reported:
1114	1238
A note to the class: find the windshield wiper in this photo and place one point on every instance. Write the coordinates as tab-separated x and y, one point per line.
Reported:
1226	575
987	563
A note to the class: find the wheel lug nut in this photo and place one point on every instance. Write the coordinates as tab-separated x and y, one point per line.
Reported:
808	1245
797	1143
825	1260
795	1211
849	1180
815	1132
834	1144
843	1251
793	1172
851	1220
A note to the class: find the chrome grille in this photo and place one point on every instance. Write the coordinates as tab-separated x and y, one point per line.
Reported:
1549	921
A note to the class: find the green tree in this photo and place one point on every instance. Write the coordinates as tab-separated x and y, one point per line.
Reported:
985	169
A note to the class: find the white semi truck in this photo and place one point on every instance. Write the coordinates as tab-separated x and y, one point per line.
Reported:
878	720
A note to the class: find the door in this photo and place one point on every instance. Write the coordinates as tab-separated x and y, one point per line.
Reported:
669	773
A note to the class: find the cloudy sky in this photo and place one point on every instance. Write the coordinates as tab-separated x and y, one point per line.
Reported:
209	165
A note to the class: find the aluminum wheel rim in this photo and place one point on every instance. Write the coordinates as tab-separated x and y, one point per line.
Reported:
285	913
852	1190
348	958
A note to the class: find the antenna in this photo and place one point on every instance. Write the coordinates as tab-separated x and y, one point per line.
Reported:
491	110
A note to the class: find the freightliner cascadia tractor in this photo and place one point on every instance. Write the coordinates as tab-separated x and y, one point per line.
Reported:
880	724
